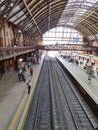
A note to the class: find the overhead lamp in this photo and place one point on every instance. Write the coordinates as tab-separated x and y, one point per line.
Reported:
20	59
12	4
4	16
19	31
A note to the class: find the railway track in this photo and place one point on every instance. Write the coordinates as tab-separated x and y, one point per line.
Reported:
82	119
56	105
39	115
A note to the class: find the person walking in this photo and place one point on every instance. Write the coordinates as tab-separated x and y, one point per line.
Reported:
29	86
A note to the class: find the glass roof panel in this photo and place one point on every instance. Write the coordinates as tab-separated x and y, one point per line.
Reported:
13	18
23	17
74	10
17	16
20	13
19	20
16	9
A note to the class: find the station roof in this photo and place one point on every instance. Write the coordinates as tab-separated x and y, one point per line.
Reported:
35	17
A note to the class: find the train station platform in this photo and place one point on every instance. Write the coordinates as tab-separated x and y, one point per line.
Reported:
14	96
82	77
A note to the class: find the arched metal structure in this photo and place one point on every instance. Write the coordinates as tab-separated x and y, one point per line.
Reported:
35	17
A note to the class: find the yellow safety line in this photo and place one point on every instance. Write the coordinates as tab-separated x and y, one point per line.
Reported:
17	113
25	111
27	105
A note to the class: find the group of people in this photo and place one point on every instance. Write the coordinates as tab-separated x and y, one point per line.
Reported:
21	77
22	67
21	72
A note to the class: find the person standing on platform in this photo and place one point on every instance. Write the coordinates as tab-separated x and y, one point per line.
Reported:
29	86
89	77
97	70
31	71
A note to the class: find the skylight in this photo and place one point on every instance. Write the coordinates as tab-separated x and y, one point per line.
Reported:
74	10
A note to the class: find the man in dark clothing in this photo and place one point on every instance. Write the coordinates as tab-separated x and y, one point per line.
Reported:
19	77
29	86
23	77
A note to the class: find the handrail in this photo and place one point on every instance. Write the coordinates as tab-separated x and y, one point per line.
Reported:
10	52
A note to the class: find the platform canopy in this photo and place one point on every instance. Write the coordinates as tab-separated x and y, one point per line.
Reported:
35	17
